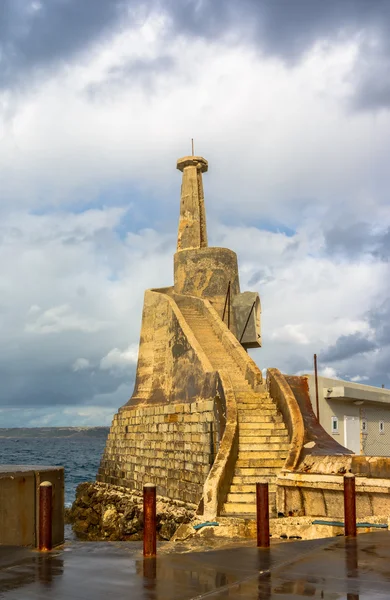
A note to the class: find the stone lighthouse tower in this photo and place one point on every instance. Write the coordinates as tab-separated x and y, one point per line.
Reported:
180	427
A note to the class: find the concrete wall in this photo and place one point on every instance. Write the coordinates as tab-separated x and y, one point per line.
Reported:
375	443
339	409
19	503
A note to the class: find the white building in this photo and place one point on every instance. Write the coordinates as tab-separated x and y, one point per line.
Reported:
356	415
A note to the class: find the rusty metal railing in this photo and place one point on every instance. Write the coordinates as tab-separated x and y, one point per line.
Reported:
247	321
227	305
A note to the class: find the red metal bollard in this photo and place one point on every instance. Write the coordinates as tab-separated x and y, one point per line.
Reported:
262	511
149	519
45	516
349	505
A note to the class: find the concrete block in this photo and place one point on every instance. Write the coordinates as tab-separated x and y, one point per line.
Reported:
19	494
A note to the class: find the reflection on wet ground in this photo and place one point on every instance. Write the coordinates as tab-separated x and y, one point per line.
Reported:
332	569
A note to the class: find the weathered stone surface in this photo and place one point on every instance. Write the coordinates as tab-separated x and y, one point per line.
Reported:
105	512
192	223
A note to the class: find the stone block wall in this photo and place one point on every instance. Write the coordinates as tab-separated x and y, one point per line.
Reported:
171	445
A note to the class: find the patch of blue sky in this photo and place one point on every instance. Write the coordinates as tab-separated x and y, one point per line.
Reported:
274	227
145	210
262	224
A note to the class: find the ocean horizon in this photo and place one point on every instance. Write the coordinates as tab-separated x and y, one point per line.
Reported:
77	449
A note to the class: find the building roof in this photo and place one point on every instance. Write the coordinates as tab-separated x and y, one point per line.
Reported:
349	391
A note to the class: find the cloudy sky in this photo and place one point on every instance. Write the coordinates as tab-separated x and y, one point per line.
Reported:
289	102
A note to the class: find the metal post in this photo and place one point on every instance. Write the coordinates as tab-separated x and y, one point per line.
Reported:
316	380
227	300
149	519
262	513
349	505
229	308
45	516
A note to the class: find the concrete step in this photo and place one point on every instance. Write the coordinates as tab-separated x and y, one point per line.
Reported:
249	488
267	422
244	508
260	396
244	400
248	498
239	387
263	435
263	396
246	437
269	463
258	472
252	446
253	479
262	410
263	455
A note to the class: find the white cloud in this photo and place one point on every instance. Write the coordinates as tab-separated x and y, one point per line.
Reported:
34	309
329	372
358	378
80	364
60	319
290	333
283	152
118	359
233	98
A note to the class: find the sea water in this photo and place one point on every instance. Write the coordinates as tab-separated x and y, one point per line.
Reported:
79	456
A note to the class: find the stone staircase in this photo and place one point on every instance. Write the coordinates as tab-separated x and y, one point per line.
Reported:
263	437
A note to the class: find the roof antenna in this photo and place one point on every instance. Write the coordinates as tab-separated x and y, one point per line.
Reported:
192	144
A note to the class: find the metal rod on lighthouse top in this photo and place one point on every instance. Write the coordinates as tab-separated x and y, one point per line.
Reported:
192	145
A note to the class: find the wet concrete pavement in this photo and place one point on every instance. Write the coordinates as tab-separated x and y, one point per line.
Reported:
331	569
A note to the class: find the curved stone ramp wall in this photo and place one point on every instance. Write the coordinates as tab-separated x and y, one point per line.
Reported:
218	482
307	436
317	441
285	400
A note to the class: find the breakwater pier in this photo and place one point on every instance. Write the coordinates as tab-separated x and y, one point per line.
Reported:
333	568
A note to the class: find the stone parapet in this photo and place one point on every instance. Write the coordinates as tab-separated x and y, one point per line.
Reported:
320	495
217	485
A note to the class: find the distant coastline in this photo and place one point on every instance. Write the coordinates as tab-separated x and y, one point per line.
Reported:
54	432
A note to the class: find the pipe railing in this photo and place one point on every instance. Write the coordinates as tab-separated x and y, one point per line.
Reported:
227	305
